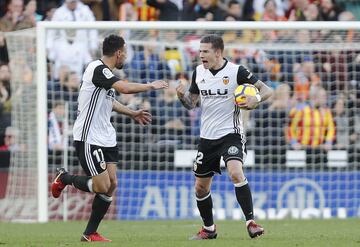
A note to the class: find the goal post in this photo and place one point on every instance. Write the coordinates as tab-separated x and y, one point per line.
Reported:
156	172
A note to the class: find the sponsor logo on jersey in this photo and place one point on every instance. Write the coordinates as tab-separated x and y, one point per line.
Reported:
107	73
202	81
213	92
233	150
225	80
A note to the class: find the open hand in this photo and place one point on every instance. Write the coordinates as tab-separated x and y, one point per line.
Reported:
159	84
142	117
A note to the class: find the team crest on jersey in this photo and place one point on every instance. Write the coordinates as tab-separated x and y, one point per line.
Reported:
103	165
225	80
195	166
107	73
233	150
110	94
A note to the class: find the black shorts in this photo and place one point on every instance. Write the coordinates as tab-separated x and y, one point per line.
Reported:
93	158
230	147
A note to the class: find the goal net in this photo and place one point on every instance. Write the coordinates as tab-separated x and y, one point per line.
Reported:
303	144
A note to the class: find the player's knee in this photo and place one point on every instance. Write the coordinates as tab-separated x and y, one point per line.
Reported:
113	186
201	190
102	187
236	178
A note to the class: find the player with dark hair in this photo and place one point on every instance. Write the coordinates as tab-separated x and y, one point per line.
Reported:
222	132
95	136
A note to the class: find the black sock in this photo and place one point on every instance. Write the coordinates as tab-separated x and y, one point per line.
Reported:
205	206
244	198
100	206
79	182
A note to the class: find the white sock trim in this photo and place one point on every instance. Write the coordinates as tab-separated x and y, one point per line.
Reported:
105	197
210	228
204	198
90	185
245	182
248	222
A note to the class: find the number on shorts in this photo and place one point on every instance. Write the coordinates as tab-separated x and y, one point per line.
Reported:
99	155
199	158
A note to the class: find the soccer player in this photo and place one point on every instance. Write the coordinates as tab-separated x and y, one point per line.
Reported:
94	135
221	133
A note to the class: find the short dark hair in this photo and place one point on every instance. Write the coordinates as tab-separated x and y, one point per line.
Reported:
111	44
215	40
232	2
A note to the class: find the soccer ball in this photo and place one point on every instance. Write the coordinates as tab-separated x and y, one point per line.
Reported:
242	90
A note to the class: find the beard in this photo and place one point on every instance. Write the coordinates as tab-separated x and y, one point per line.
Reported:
119	66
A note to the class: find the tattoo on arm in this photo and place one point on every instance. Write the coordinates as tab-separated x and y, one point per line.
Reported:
189	100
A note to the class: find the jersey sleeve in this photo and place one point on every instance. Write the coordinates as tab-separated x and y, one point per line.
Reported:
103	77
245	76
194	89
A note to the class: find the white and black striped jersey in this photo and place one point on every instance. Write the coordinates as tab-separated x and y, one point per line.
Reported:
95	101
220	116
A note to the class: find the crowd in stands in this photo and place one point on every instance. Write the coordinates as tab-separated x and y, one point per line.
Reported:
315	106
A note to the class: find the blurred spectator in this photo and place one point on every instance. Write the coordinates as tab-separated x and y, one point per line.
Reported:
49	11
205	10
76	56
56	127
296	10
344	117
311	13
329	10
248	11
4	58
104	10
14	19
127	12
30	12
146	65
10	140
170	120
5	74
5	103
74	10
271	12
133	139
67	89
305	78
260	6
351	35
234	10
346	16
173	53
143	11
312	125
168	11
269	130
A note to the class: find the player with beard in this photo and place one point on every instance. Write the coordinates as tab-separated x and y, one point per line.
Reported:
95	136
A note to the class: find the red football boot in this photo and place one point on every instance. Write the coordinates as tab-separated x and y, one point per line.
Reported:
57	186
204	234
254	229
94	237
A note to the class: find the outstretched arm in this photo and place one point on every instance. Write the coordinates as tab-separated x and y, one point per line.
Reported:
140	116
188	100
130	87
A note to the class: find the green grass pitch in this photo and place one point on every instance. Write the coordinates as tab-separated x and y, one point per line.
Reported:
288	233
